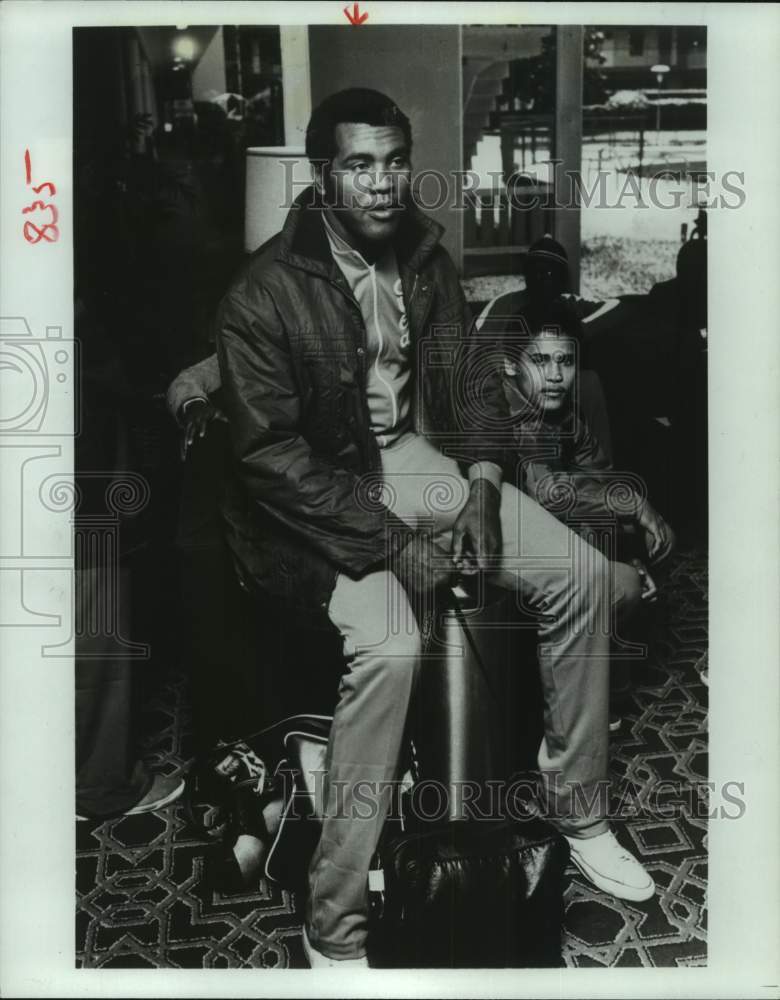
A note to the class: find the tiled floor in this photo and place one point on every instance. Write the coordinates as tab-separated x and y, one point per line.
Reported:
143	900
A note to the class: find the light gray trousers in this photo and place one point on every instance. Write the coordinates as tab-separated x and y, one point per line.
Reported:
575	590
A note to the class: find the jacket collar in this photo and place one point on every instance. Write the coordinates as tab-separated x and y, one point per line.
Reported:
304	243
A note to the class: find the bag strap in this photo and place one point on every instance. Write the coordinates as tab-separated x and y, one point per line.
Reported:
316	725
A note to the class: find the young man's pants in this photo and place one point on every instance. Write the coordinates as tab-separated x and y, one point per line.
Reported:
555	574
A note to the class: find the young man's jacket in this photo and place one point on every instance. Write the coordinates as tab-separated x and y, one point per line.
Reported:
562	466
304	503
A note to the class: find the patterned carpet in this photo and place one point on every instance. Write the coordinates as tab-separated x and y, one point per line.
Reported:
143	900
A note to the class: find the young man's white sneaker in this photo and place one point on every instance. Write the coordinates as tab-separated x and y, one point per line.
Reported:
319	961
611	867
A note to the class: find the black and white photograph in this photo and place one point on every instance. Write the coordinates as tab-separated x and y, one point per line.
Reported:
370	497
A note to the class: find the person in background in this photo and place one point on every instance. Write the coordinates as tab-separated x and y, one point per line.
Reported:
547	277
192	400
112	778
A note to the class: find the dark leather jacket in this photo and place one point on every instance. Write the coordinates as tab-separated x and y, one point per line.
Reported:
302	504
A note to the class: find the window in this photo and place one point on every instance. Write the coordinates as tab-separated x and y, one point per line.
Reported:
692	39
636	42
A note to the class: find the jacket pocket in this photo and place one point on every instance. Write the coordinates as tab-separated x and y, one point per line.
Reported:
332	409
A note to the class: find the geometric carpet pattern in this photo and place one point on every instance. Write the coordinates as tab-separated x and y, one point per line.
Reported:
658	765
143	899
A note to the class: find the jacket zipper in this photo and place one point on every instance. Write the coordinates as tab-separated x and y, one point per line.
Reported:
361	353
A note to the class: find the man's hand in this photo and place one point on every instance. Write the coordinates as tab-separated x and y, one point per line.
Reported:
476	536
649	589
422	566
659	537
198	414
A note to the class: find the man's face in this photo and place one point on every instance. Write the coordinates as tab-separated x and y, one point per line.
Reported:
368	184
546	373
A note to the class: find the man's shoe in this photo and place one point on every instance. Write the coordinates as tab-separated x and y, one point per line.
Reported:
611	867
163	791
317	960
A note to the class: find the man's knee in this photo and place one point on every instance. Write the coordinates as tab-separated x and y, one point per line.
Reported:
581	587
592	577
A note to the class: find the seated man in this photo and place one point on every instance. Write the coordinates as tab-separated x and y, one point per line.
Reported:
547	278
366	471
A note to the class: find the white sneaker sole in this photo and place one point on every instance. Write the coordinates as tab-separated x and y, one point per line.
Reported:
636	894
317	960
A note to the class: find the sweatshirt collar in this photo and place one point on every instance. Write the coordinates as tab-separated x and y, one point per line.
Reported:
304	241
344	253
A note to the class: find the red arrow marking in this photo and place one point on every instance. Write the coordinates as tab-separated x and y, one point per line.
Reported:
355	17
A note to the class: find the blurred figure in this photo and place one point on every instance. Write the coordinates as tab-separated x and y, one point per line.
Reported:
111	777
689	395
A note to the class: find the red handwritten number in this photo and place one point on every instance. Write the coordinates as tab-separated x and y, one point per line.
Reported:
49	230
35	204
34	234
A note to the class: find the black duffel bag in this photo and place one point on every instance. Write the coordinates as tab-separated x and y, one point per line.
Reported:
469	894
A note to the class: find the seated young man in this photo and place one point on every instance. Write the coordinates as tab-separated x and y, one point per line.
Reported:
547	279
562	464
565	466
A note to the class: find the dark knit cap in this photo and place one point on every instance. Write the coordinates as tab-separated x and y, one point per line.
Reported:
548	249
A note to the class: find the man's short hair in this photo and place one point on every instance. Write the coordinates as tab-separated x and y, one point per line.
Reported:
556	317
357	104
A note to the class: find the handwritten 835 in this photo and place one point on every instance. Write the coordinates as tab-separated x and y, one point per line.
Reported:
48	231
